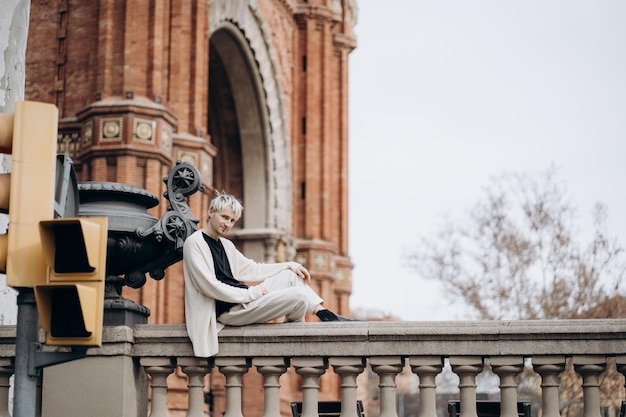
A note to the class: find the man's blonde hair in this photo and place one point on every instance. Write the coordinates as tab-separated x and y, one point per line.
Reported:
224	201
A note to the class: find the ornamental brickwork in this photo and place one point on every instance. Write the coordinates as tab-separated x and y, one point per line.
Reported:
254	93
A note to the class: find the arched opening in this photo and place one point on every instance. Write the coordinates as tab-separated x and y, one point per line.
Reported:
246	89
238	124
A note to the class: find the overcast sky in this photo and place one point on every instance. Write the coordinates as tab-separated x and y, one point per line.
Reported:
446	94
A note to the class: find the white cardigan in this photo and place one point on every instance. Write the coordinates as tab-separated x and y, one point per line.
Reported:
202	288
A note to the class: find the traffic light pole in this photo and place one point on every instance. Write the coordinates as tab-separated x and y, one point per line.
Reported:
29	359
25	399
30	136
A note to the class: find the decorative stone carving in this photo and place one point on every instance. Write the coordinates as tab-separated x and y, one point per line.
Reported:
69	143
206	169
144	131
336	6
87	133
189	157
302	259
166	138
352	14
320	261
111	130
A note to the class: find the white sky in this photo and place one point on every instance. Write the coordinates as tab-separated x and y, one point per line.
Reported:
445	94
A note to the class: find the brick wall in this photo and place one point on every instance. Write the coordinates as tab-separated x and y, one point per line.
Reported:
110	65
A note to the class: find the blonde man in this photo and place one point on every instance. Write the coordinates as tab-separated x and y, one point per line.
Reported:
215	294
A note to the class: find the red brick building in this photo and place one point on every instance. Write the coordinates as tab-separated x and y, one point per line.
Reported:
252	92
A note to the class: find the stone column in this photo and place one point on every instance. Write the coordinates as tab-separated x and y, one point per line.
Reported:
158	369
550	368
348	368
467	368
387	368
507	368
310	369
233	369
590	367
195	369
427	368
271	369
620	363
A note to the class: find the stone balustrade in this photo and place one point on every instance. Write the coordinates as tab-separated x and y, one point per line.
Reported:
156	351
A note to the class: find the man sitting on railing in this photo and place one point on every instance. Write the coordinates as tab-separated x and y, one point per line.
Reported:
215	294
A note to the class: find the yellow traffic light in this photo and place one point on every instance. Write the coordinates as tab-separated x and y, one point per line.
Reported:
71	303
28	193
64	260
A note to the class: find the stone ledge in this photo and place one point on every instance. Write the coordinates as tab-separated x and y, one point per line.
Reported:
7	341
369	339
483	338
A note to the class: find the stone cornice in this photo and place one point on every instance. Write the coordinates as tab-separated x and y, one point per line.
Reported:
344	41
119	105
124	150
402	338
187	140
321	13
526	338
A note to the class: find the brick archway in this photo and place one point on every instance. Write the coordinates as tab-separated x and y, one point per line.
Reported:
248	122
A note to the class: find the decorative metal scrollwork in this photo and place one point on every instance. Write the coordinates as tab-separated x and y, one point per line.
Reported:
183	181
174	226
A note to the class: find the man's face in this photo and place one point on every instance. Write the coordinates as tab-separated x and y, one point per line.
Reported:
221	222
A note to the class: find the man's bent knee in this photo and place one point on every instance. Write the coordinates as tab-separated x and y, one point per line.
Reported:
298	311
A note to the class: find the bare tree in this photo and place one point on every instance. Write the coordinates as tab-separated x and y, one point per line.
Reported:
519	254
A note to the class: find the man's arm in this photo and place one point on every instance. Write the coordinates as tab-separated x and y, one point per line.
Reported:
199	272
246	269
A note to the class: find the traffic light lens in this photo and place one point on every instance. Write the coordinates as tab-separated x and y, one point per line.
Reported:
66	315
70	254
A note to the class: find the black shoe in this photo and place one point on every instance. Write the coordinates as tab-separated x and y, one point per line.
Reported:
327	315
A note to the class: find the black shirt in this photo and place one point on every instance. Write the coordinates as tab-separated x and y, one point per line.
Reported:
223	272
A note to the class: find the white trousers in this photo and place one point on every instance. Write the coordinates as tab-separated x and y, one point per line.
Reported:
288	296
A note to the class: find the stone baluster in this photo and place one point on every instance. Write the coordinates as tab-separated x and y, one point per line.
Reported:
6	370
467	368
550	368
348	368
507	368
387	368
233	369
620	363
158	369
590	367
271	369
195	369
310	369
427	368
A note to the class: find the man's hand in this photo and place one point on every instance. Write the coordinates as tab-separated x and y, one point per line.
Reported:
304	274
